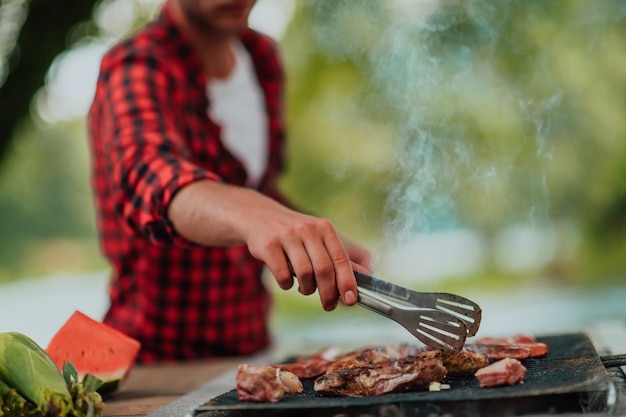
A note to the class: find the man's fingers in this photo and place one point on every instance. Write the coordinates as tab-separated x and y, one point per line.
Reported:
344	279
324	274
310	250
302	268
279	266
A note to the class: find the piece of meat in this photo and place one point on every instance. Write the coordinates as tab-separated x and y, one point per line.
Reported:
265	383
537	349
516	338
464	362
500	350
290	382
400	351
410	373
306	368
311	367
497	351
507	371
526	341
330	359
366	357
523	338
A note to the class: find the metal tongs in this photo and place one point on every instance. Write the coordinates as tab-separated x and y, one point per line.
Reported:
439	320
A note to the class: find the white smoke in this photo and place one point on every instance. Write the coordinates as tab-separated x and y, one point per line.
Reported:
476	95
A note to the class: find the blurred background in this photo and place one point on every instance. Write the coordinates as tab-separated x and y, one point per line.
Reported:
476	147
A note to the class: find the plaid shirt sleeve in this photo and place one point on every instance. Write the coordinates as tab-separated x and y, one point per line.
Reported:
136	119
151	135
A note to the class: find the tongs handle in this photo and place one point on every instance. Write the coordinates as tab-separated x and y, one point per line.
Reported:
382	287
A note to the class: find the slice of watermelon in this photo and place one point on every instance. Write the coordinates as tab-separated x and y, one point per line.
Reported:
94	348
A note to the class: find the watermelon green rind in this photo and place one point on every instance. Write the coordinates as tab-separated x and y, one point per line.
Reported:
109	387
94	348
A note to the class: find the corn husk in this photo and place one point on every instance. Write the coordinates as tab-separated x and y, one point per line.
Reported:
31	385
13	404
27	368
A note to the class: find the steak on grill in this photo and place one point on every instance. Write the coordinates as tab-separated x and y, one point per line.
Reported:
265	383
329	359
507	371
362	380
361	358
497	351
519	346
464	362
313	366
379	369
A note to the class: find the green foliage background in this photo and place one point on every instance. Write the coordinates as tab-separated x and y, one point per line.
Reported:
477	115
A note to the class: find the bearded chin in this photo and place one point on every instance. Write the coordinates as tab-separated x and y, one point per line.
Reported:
222	27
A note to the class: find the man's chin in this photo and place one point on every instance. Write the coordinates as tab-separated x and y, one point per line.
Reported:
223	29
234	29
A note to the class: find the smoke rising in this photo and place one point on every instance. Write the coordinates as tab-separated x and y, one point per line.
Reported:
478	95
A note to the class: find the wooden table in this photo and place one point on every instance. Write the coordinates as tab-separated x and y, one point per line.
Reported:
149	388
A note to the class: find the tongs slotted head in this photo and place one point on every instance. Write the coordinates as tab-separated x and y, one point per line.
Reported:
439	320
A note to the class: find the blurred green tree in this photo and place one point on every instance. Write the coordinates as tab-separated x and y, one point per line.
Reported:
503	113
404	118
48	29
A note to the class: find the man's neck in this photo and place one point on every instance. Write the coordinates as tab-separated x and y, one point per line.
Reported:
214	49
217	58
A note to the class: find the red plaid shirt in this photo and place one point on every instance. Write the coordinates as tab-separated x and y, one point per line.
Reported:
150	135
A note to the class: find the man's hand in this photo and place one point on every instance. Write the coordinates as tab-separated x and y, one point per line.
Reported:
288	242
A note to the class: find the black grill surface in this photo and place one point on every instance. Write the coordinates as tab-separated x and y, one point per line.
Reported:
569	375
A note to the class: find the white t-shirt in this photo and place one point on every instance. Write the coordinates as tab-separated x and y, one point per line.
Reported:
237	104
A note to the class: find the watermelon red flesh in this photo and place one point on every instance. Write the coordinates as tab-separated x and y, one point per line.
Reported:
94	348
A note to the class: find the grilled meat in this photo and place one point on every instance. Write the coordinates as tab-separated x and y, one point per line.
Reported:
311	367
306	368
360	358
265	383
380	369
511	340
518	343
499	351
329	360
536	349
517	350
402	350
507	371
412	372
464	362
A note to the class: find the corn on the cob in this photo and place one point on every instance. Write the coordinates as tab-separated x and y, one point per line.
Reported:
13	404
31	385
27	368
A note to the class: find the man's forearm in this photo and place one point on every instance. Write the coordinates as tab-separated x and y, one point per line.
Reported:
288	242
216	214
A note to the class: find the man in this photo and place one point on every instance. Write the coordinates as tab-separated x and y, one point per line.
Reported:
186	193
